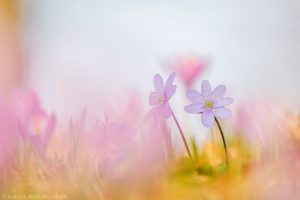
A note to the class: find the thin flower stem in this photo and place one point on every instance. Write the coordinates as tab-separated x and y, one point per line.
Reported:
223	138
182	136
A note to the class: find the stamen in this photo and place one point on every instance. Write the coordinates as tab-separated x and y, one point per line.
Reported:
208	104
161	99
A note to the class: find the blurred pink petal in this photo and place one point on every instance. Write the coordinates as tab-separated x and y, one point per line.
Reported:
188	68
8	135
34	123
115	144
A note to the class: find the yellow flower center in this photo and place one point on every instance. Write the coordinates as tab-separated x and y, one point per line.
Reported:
161	99
208	104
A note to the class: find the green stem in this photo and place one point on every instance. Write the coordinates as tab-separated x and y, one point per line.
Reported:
223	138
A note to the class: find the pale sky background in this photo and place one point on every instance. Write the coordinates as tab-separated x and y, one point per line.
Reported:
96	47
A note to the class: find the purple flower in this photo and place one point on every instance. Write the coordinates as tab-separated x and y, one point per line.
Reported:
209	103
160	97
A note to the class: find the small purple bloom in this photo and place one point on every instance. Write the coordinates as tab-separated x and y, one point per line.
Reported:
209	103
160	97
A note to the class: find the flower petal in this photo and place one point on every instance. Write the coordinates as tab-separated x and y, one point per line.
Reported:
208	119
222	113
169	92
223	102
158	83
194	108
219	92
170	80
166	109
194	96
205	87
153	98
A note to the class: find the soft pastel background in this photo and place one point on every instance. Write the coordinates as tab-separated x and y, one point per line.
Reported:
253	46
90	59
77	52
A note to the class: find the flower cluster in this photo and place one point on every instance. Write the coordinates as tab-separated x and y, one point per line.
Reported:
211	104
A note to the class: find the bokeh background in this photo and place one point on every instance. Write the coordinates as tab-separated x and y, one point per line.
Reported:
91	64
88	48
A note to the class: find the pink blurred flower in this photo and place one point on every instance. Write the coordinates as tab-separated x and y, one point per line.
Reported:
188	68
39	128
160	98
114	142
130	110
255	120
121	135
34	123
246	124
